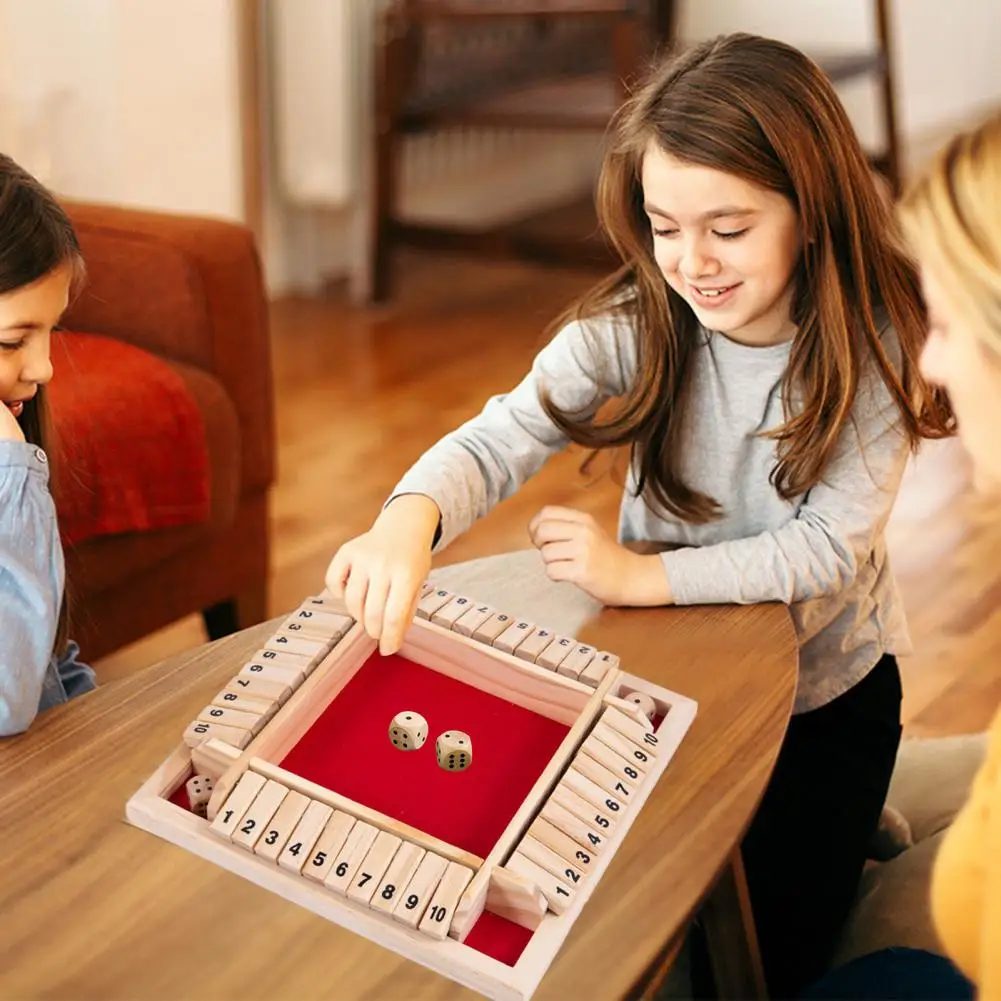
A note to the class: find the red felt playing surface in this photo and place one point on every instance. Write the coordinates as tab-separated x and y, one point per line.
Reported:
349	752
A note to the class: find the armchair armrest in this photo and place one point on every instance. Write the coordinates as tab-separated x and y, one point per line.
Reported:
189	289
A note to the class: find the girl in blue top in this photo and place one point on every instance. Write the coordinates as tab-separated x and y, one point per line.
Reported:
40	262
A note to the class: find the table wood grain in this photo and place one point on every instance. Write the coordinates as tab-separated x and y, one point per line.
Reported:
93	908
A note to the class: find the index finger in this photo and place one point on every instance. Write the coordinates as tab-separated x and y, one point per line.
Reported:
400	610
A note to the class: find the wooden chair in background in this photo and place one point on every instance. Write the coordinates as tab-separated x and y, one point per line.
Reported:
543	65
561	65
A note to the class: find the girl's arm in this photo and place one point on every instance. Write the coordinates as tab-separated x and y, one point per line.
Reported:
838	525
31	582
489	457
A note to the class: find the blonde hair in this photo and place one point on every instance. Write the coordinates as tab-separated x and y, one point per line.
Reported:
951	215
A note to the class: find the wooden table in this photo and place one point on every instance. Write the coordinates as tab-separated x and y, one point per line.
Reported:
93	908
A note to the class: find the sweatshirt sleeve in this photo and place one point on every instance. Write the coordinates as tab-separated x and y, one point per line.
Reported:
32	576
821	549
489	457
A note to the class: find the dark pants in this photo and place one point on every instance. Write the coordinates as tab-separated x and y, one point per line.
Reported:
893	975
807	845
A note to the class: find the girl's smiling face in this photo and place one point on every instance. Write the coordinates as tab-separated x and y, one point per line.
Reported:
27	316
727	246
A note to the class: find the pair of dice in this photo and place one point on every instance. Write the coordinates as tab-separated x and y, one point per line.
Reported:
453	748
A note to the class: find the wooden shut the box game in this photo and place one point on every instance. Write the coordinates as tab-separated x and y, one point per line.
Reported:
456	802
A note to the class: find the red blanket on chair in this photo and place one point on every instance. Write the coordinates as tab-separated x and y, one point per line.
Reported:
128	438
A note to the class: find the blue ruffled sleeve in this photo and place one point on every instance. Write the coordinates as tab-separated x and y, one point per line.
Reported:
32	578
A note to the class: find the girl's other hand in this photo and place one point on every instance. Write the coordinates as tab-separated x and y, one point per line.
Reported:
10	430
378	575
575	548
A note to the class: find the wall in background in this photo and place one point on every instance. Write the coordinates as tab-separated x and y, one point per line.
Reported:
125	101
138	102
945	60
946	55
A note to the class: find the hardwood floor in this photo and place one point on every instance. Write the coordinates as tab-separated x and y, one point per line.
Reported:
360	393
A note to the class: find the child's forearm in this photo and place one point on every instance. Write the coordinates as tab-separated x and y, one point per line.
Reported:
31	583
646	584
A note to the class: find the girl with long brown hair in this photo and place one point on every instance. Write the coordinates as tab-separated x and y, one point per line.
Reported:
757	353
40	263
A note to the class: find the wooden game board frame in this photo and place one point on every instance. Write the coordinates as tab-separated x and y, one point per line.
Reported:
483	666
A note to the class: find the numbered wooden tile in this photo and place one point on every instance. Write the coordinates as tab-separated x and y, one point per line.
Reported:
259	814
593	793
629	728
236	805
352	854
432	601
373	867
299	847
261	688
299	629
415	898
636	756
492	627
312	649
473	619
631	710
574	827
452	611
516	633
323	624
593	814
619	766
325	601
279	829
532	647
426	588
585	765
328	846
438	916
559	895
551	861
241	701
232	717
285	674
595	672
554	654
576	661
401	871
200	730
213	757
573	854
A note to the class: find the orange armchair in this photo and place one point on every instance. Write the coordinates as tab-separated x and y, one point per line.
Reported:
188	293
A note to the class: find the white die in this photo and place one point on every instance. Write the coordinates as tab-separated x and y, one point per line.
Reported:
454	750
199	788
644	703
408	731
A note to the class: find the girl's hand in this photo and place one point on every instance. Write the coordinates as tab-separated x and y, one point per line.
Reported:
378	575
10	430
577	549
